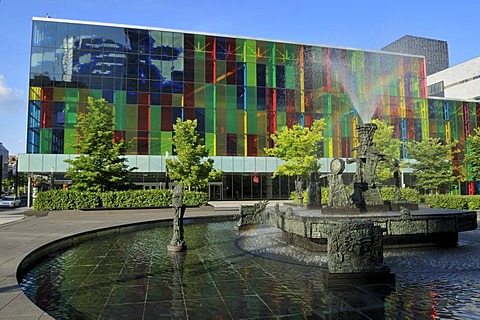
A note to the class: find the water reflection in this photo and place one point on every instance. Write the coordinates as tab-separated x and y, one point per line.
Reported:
231	276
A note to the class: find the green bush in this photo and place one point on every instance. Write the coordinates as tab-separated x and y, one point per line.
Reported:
65	200
294	198
68	200
448	201
410	194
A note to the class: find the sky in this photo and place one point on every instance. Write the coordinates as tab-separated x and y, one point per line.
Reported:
359	24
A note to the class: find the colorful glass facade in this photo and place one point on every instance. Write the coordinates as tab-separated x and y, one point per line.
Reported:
240	90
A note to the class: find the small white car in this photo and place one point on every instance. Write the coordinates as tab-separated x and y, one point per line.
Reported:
10	201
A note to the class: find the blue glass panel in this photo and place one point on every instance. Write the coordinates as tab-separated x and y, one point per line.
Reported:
200	116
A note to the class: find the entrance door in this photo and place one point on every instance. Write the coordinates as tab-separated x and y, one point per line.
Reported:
215	191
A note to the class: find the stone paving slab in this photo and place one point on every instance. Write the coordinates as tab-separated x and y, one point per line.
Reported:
20	237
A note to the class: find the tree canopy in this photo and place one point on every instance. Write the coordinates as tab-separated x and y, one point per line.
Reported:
100	165
473	154
390	147
300	148
190	166
433	166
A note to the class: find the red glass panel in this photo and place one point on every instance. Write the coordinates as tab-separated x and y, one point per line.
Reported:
144	98
47	94
142	142
119	135
271	122
143	118
290	93
189	113
46	111
231	72
209	71
188	94
167	121
231	144
231	47
166	99
209	47
252	147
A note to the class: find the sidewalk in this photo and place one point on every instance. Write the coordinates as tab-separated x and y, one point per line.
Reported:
19	236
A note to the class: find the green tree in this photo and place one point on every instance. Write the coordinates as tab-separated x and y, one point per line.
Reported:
390	147
300	148
190	166
473	154
100	165
433	166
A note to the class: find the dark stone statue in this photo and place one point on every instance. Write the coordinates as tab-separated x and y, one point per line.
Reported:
177	243
251	214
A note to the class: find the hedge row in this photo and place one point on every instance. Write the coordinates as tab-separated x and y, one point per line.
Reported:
70	199
388	194
447	201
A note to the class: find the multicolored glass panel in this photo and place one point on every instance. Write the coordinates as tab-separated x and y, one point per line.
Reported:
240	90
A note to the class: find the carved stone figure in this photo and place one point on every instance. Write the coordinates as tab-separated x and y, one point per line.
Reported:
365	186
251	214
299	191
355	247
177	243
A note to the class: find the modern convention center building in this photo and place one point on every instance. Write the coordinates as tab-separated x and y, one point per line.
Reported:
241	90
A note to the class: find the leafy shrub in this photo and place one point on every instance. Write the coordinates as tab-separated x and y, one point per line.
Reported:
447	201
70	199
410	194
294	198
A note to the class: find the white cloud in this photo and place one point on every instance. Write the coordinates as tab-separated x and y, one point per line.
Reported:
11	100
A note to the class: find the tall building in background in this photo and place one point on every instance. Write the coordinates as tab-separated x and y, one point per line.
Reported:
461	81
240	90
435	51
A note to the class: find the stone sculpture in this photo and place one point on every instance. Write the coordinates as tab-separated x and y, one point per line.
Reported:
177	243
251	214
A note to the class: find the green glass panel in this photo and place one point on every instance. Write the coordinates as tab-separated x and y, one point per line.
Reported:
96	93
131	117
290	74
199	70
261	144
155	118
120	98
221	93
177	99
120	116
59	94
166	142
70	140
210	96
289	51
131	135
231	97
221	121
281	120
261	122
241	47
232	120
155	142
210	143
221	72
45	140
209	120
71	95
251	50
240	121
70	114
251	74
251	98
199	46
221	142
251	122
200	95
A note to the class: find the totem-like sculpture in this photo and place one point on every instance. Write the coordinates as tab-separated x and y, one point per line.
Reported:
177	243
365	186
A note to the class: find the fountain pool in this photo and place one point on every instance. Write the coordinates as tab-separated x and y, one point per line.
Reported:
253	274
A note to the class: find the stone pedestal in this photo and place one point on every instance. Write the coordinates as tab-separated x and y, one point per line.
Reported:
355	254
